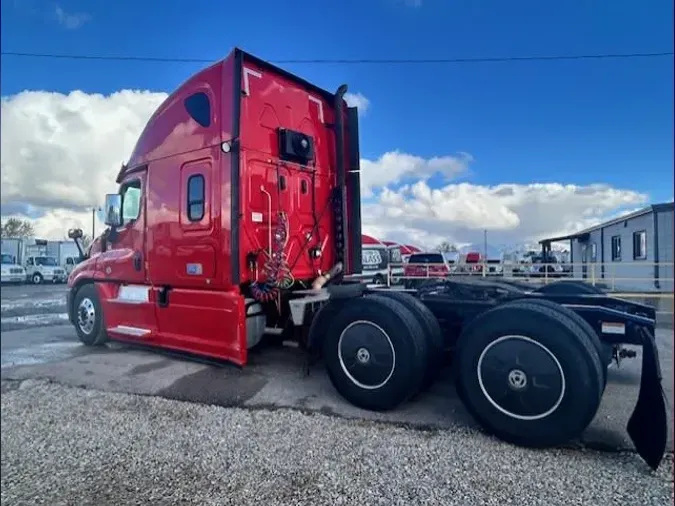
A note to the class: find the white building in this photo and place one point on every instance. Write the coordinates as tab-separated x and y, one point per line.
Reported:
633	252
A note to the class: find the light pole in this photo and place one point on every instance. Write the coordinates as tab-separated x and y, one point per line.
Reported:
485	251
93	222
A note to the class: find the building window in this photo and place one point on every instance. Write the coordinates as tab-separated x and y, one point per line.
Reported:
195	197
640	245
199	108
616	248
594	252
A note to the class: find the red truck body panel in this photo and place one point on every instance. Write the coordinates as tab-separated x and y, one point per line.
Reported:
175	281
274	101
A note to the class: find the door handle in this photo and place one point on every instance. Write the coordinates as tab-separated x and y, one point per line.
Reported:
137	261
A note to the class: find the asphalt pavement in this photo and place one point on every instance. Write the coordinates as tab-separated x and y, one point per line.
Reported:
36	344
29	306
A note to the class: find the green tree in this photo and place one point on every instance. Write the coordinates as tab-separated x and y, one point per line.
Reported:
14	227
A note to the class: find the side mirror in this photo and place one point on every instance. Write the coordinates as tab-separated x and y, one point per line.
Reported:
75	233
113	209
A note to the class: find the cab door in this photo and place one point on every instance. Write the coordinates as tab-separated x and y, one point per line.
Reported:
124	258
127	300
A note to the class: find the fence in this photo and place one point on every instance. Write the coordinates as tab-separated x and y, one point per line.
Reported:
647	282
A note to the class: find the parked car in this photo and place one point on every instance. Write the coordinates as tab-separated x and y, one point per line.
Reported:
421	266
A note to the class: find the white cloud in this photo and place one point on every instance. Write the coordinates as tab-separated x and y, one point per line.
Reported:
395	166
358	100
61	153
69	20
64	151
511	213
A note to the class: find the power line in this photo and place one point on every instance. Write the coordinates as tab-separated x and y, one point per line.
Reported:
347	61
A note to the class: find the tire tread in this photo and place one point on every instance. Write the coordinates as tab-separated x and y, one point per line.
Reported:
584	346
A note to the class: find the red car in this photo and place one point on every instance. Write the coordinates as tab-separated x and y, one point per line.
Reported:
425	265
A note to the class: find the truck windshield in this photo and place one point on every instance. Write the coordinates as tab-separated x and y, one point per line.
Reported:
7	259
46	261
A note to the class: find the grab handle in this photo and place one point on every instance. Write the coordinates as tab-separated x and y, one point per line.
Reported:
269	219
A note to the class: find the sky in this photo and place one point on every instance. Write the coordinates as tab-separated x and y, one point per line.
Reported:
524	149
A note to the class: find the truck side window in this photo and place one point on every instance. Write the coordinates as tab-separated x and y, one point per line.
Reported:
29	261
199	108
195	196
131	201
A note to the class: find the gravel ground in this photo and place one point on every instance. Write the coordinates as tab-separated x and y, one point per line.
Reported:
70	446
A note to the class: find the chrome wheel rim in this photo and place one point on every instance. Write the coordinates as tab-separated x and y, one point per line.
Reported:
86	316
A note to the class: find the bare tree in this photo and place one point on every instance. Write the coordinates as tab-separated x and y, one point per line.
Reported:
446	247
14	227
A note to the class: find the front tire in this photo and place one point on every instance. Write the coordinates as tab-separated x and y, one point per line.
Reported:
529	374
375	352
88	316
36	278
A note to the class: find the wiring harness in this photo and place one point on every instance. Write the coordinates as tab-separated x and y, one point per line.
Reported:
277	273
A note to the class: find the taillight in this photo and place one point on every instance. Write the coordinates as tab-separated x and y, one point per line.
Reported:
415	270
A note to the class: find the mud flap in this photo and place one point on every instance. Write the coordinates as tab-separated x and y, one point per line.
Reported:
648	425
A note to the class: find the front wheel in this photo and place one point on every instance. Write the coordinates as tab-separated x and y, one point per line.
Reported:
36	278
88	316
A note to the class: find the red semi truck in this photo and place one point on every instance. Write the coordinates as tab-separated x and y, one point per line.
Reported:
238	214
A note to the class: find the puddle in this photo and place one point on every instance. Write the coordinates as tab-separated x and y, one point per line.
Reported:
17	304
35	319
40	354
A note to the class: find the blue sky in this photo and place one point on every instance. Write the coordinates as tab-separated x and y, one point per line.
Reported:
571	121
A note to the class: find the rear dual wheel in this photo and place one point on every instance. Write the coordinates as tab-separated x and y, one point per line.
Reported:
431	329
529	373
376	352
570	287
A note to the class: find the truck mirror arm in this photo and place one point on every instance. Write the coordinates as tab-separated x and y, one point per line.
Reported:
110	235
76	235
